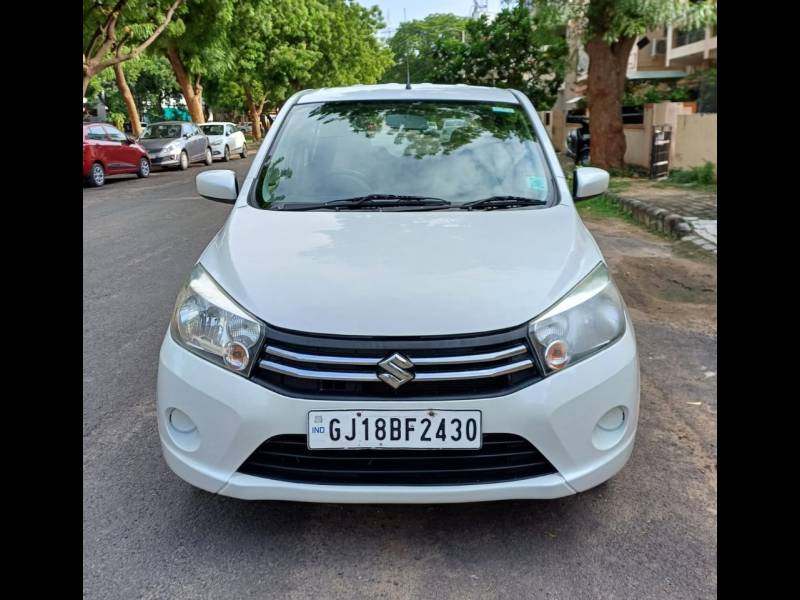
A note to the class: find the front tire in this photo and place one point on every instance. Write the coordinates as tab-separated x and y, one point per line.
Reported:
184	161
209	159
226	154
144	168
243	153
97	176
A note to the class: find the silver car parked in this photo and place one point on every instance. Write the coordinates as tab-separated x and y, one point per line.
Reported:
175	144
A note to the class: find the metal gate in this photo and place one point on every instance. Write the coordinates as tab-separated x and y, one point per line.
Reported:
659	151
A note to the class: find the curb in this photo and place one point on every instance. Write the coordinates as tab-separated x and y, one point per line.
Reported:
652	217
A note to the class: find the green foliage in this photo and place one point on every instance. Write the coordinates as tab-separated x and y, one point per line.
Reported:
694	176
613	20
515	50
638	93
117	119
419	40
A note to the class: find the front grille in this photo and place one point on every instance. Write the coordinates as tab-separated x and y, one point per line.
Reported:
503	457
340	368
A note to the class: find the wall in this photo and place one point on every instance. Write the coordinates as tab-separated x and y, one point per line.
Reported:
695	140
637	146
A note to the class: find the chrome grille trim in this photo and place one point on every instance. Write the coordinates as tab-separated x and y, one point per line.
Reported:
418	361
519	365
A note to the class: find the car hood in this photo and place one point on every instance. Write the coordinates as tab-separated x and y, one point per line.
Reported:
156	143
400	273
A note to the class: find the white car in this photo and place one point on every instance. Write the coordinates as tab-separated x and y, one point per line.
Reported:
394	317
225	139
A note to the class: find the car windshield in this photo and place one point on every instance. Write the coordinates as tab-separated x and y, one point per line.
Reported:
161	131
458	152
213	129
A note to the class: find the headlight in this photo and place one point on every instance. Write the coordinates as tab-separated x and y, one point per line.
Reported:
170	148
209	323
216	142
589	318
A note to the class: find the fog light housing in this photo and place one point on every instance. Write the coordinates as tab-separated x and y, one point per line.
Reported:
610	428
181	421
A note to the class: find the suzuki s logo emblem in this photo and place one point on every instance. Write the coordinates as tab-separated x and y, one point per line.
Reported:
394	370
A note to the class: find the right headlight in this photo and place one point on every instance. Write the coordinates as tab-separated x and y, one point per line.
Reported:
207	322
590	317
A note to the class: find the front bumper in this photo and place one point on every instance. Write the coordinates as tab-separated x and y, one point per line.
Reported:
169	160
558	415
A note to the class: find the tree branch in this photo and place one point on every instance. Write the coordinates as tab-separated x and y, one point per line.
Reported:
144	45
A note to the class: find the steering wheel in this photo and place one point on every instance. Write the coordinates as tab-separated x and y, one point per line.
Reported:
353	176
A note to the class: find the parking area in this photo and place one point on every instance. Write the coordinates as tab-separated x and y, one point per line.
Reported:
648	533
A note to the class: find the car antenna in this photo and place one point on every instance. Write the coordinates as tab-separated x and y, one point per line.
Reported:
408	74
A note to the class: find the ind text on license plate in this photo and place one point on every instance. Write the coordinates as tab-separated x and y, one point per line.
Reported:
329	429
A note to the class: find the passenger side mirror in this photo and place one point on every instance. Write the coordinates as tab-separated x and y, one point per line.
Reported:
219	185
588	182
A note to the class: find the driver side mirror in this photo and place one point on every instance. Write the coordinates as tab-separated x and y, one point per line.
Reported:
588	182
219	185
130	139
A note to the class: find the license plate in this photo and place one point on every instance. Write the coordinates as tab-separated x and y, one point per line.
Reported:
418	429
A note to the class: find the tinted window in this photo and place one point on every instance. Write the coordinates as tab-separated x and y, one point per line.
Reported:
96	132
456	151
162	130
115	134
212	129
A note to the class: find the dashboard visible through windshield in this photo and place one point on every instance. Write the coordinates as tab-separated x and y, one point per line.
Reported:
454	152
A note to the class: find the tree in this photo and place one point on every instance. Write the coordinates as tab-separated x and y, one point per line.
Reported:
200	43
290	45
139	22
516	50
417	41
610	28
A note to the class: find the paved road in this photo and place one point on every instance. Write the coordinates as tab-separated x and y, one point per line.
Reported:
650	532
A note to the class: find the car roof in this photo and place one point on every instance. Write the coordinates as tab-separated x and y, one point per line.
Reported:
172	123
217	123
418	91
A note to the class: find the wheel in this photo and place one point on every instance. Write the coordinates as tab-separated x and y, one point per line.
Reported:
226	154
98	175
243	153
144	168
184	161
209	159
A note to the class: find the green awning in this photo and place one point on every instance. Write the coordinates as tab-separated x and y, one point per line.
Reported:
656	74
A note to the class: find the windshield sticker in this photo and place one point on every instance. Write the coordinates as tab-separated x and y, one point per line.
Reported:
537	183
502	109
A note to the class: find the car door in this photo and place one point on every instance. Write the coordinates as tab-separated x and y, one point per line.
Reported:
200	142
97	137
230	138
126	158
237	137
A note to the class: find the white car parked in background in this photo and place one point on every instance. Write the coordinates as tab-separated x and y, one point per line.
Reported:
225	139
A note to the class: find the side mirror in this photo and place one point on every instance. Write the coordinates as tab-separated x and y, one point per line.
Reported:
219	185
130	139
588	182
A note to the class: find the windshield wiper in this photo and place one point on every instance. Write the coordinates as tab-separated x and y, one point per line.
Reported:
502	202
371	201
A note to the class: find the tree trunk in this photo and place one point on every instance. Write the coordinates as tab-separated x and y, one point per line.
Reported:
607	69
127	97
86	80
193	103
255	114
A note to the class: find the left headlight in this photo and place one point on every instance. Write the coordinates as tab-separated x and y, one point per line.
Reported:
207	322
589	318
216	142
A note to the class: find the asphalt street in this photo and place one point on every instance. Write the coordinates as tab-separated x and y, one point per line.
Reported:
648	533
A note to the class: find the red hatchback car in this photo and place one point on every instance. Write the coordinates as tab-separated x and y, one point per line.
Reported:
108	151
